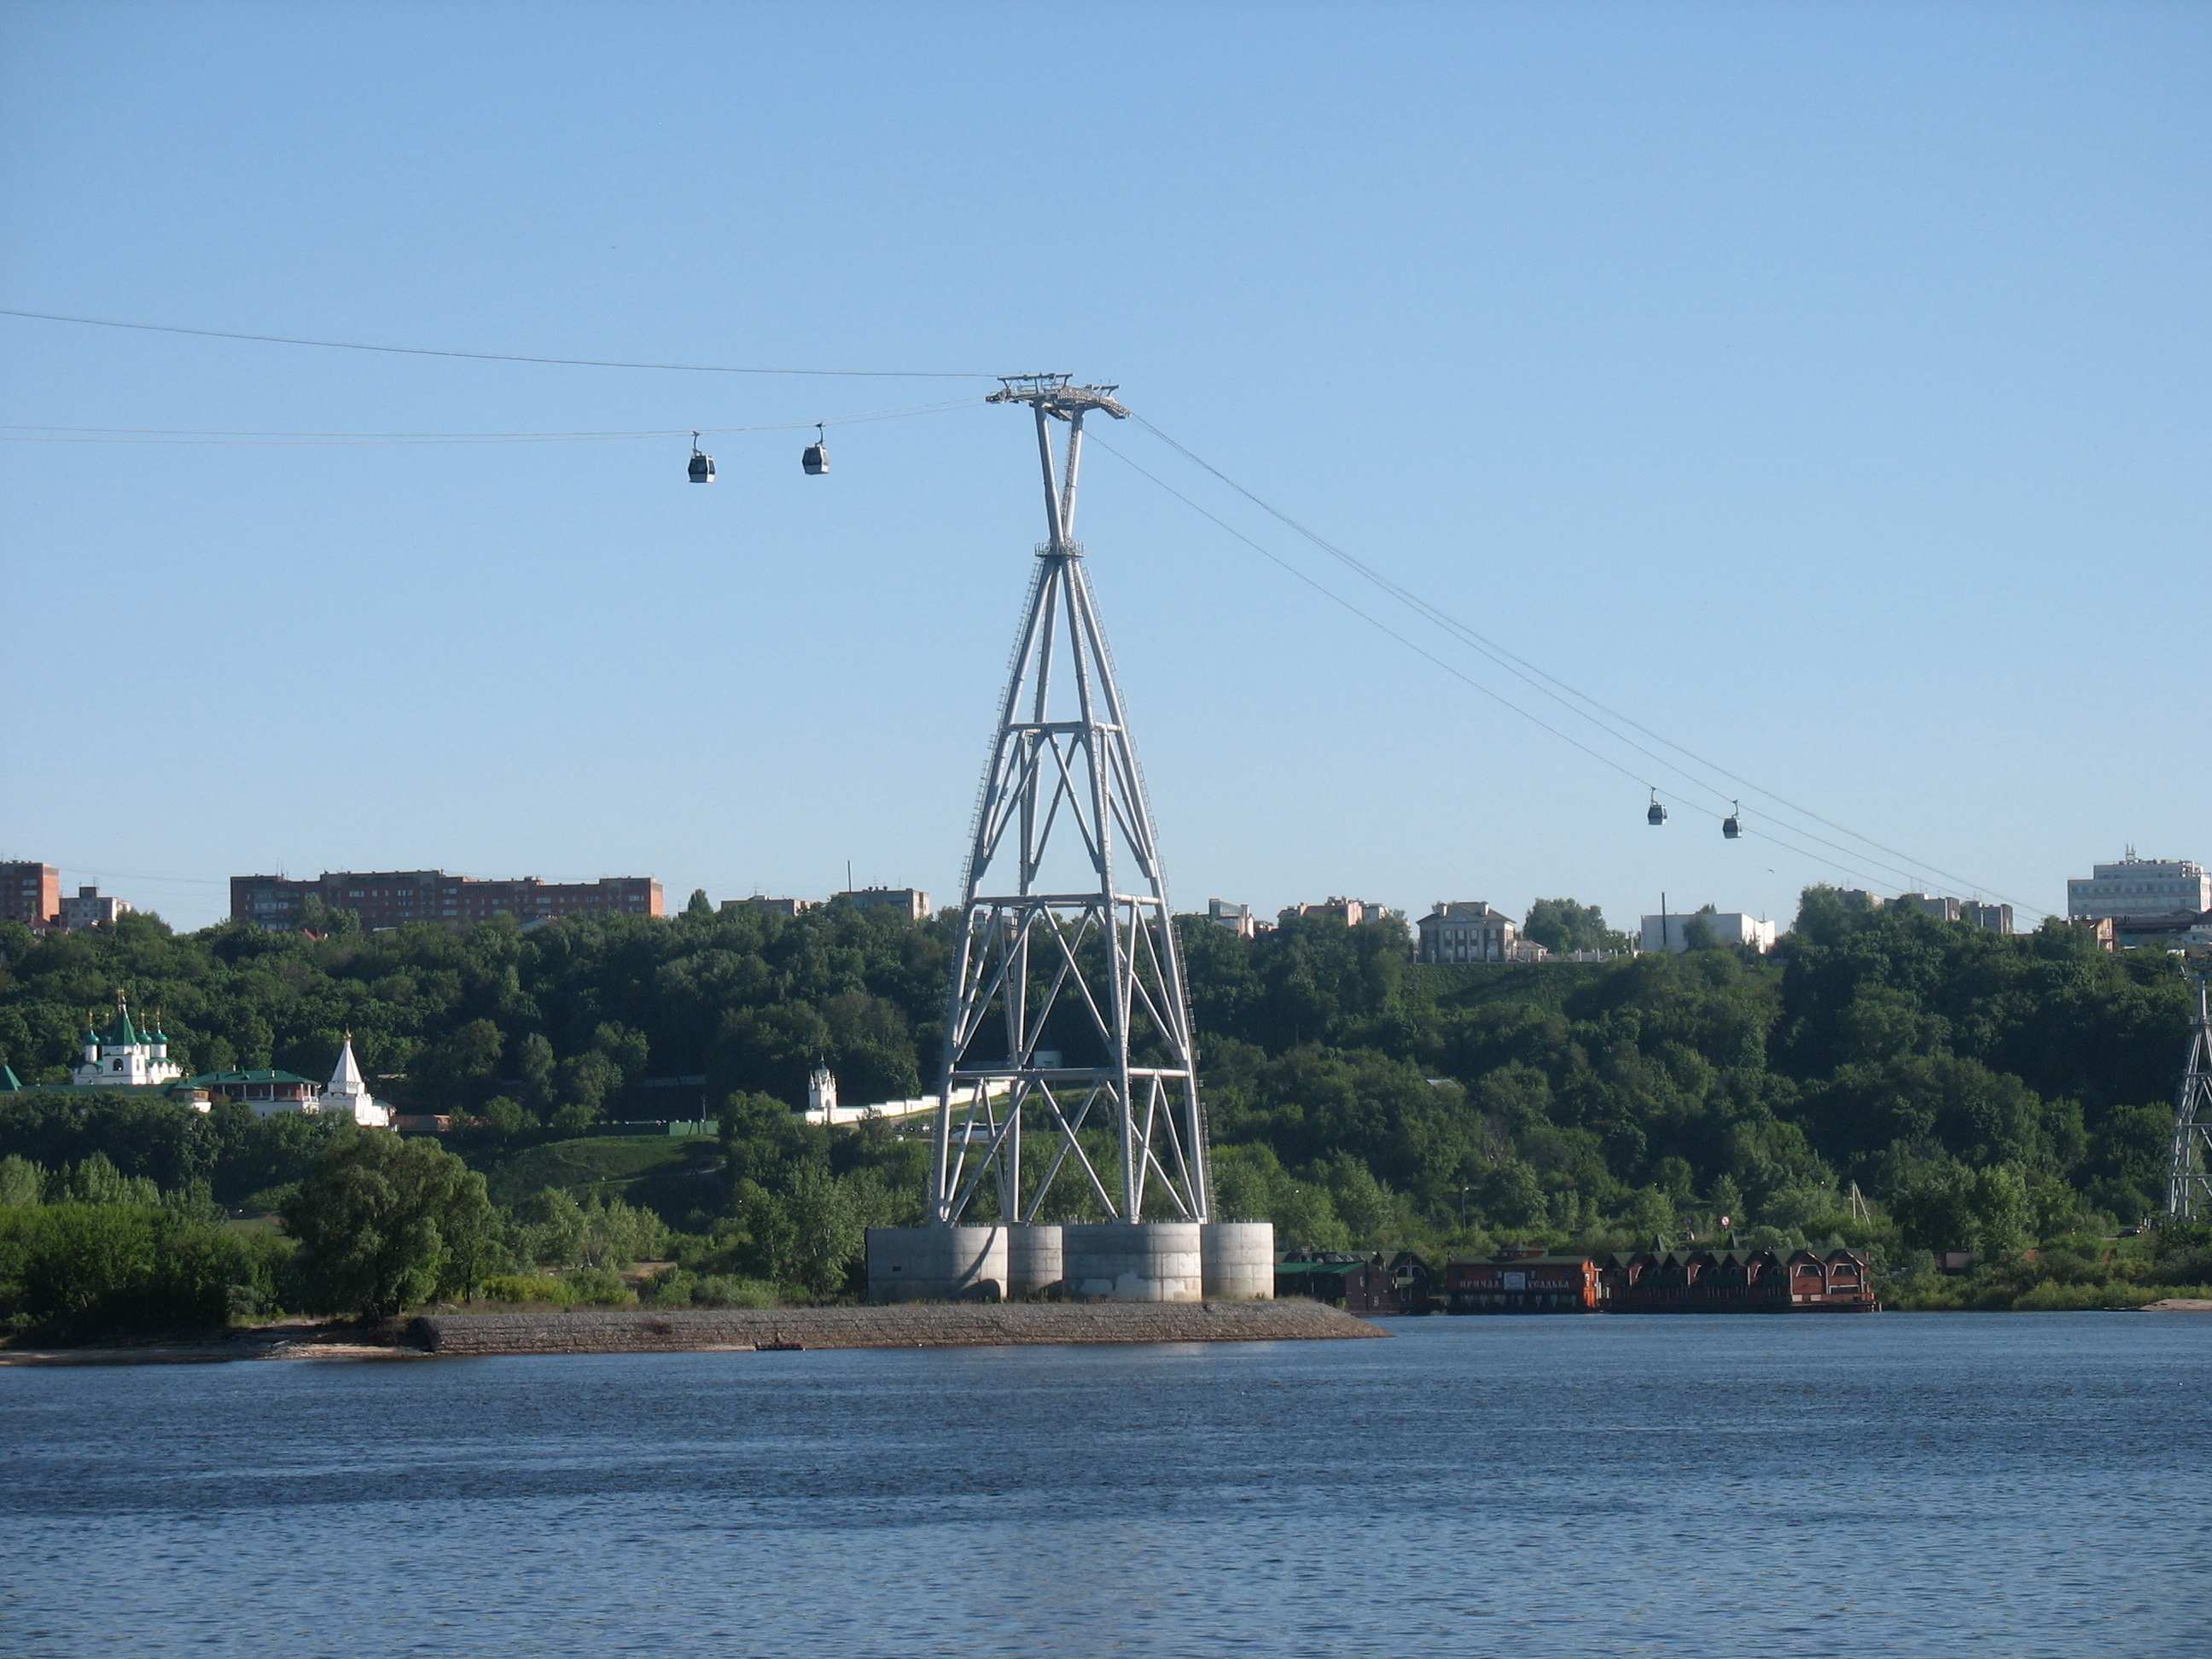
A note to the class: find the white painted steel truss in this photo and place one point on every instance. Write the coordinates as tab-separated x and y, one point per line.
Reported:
1067	988
2189	1181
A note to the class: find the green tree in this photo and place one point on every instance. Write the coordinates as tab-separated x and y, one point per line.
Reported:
699	904
1565	924
383	1222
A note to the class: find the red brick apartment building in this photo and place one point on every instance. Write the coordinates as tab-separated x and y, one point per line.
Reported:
387	898
30	893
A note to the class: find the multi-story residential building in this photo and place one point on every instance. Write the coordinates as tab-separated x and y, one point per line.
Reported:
88	910
1352	912
912	901
1672	931
29	893
1996	918
1929	904
774	907
1237	918
388	898
1467	930
2140	887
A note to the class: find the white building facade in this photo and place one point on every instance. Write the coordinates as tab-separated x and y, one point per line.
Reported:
1467	930
348	1096
1671	932
2140	887
124	1057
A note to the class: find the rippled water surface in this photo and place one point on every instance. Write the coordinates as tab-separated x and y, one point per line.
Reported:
2003	1485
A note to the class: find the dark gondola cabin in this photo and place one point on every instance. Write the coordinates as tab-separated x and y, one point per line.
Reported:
1655	815
702	470
1729	826
815	458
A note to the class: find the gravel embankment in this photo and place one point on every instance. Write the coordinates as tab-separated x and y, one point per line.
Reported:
911	1325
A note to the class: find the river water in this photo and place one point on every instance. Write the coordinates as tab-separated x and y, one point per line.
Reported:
1954	1483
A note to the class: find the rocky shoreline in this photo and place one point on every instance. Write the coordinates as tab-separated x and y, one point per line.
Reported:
906	1325
645	1330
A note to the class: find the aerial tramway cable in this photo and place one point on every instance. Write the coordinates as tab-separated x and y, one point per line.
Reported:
1515	663
1606	720
499	356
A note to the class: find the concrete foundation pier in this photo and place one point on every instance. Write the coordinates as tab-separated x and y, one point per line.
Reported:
1034	1261
1134	1261
937	1264
1239	1259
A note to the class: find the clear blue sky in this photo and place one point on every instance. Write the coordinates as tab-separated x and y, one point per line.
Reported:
1823	386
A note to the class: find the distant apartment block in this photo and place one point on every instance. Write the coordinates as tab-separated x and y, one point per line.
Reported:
1352	912
1996	918
912	902
1929	904
2137	887
390	898
1237	918
772	907
30	893
1466	930
89	909
1671	932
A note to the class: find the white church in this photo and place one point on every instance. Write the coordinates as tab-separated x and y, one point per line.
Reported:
124	1057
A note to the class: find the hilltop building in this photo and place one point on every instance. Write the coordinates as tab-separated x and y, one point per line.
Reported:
347	1094
1466	930
389	898
772	907
1672	931
30	893
124	1057
89	910
912	901
1352	912
1237	918
2136	888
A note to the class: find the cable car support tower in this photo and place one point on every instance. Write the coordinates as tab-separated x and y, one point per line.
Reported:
2189	1183
1067	1014
1063	776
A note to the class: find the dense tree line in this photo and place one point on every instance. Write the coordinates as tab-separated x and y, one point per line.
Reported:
1981	1091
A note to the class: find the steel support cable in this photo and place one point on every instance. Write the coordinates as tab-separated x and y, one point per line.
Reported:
1453	669
1495	651
28	433
498	357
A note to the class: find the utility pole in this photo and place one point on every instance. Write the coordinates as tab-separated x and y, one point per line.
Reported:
2189	1176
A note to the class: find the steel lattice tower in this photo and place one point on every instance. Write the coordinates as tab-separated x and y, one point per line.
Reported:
2189	1182
1068	1005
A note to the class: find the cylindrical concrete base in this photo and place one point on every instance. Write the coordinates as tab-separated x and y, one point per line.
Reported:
1134	1261
1033	1261
937	1264
1240	1260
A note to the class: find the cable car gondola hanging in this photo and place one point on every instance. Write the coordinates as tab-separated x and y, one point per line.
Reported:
1729	827
702	470
1657	814
815	458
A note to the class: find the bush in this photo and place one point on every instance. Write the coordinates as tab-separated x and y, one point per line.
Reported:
721	1290
528	1287
672	1288
599	1287
81	1269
